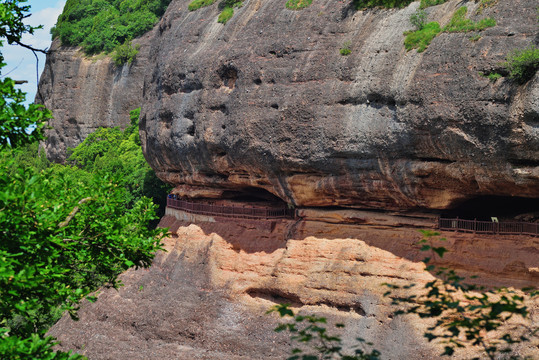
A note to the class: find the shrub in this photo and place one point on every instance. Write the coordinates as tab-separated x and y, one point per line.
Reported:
225	15
420	39
345	49
419	19
522	64
102	25
125	53
197	4
459	23
298	4
493	76
426	3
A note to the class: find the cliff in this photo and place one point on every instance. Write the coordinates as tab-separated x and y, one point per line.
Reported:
86	93
205	297
267	104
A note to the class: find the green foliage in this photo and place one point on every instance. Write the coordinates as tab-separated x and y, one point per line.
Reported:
388	4
419	19
16	119
228	10
420	39
522	64
113	152
459	23
63	231
311	331
197	4
102	25
493	76
427	3
345	49
225	15
475	37
465	314
125	53
298	4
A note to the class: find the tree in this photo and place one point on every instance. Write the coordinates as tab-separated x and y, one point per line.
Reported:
63	231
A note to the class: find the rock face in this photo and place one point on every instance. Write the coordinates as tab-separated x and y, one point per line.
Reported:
267	102
205	298
87	93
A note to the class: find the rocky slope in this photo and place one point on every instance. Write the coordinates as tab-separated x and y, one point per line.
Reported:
205	298
266	103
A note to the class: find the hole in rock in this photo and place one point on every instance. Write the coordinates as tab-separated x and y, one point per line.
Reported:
258	81
276	296
254	195
275	106
229	75
509	208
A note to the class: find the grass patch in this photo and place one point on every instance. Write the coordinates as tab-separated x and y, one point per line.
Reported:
522	64
197	4
420	39
101	25
388	4
298	4
225	15
426	3
475	37
459	23
345	49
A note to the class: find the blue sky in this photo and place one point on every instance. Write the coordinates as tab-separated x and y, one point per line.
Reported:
21	63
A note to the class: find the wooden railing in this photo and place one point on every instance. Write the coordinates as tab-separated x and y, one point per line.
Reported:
238	212
489	227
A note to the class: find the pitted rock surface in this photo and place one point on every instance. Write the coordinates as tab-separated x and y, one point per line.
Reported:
267	102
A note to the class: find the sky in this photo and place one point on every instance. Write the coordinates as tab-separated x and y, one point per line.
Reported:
21	63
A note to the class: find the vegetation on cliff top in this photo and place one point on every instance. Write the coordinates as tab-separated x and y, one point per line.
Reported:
103	25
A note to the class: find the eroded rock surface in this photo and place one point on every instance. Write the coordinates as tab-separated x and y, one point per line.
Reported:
205	298
267	101
87	93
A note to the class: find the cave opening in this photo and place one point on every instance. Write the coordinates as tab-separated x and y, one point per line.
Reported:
508	208
254	196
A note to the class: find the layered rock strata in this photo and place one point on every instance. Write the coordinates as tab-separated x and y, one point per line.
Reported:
205	298
267	101
86	93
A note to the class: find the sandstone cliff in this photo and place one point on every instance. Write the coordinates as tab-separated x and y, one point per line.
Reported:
87	93
205	298
267	102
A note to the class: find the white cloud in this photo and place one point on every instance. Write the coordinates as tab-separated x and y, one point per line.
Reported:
21	63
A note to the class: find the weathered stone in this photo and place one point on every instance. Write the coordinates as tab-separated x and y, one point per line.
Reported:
87	93
267	101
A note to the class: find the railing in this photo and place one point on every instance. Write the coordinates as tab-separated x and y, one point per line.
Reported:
239	212
489	227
